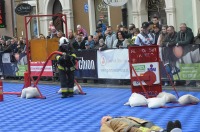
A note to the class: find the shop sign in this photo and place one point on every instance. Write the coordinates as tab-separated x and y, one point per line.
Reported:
115	2
23	9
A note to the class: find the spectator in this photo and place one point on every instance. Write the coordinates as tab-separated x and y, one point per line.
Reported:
82	35
161	39
156	30
60	34
20	45
96	41
136	32
145	38
101	46
110	38
79	43
120	41
52	30
168	56
197	38
12	48
100	35
155	21
131	31
101	25
162	35
185	35
2	44
118	27
126	31
90	41
151	27
41	36
71	36
170	39
7	44
80	29
87	46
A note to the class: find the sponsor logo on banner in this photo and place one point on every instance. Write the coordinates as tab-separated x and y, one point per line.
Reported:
142	68
153	69
86	64
139	68
103	61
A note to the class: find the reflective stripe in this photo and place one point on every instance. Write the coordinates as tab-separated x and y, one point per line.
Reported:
74	55
71	90
60	67
57	57
64	90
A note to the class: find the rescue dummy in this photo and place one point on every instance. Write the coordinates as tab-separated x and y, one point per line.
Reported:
133	124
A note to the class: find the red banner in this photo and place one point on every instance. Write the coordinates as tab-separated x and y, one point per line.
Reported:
36	68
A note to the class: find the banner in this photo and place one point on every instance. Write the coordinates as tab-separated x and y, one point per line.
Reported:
36	67
87	64
141	68
182	62
113	64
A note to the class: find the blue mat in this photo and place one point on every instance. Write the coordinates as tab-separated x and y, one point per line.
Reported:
83	112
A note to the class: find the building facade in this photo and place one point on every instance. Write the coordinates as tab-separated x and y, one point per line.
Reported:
88	12
7	17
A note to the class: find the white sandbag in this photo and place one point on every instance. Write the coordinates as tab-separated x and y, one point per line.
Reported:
136	100
59	91
77	90
31	92
156	102
168	97
23	94
188	99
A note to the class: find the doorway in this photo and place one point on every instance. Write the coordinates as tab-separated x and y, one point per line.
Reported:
157	7
57	21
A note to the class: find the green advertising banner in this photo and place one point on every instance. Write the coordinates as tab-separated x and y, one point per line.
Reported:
21	70
189	72
182	62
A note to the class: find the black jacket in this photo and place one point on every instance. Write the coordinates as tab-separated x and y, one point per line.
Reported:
170	40
76	46
185	38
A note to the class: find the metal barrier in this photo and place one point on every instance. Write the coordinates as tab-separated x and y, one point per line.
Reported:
181	62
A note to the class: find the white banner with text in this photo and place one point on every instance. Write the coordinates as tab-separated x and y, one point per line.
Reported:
113	64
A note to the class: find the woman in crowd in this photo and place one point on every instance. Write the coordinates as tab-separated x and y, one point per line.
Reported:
120	42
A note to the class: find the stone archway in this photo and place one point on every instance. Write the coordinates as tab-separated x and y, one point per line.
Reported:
140	12
66	9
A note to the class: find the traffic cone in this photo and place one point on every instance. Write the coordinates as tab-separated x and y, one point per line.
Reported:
1	90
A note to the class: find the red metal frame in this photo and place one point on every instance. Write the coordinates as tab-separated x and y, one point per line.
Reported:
27	19
29	78
144	54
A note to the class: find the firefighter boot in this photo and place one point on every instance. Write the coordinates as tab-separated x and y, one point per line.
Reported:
64	93
70	92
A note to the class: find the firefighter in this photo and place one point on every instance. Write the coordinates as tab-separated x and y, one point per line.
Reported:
66	67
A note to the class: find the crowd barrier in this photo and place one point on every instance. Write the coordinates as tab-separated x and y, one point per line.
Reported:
182	63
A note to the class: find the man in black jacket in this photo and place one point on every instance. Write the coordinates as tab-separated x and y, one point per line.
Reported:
185	35
79	43
169	59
